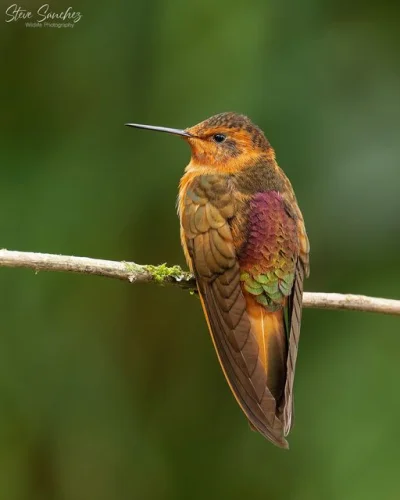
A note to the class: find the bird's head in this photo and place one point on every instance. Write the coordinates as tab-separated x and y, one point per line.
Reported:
227	141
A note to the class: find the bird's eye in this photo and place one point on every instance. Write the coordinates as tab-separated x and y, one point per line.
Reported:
219	138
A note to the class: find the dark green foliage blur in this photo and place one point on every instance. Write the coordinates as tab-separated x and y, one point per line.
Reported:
111	391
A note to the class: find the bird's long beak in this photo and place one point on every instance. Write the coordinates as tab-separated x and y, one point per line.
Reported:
168	130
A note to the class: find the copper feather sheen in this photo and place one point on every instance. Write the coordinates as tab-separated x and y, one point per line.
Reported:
244	239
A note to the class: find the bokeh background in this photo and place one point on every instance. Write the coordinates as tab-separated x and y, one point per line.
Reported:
113	391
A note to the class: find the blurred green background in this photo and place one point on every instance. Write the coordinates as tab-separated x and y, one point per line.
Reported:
112	391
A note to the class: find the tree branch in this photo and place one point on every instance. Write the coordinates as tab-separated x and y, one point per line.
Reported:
164	275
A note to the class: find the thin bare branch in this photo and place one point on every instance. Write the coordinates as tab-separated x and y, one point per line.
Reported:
163	275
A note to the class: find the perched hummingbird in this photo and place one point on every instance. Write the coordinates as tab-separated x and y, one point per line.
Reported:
244	239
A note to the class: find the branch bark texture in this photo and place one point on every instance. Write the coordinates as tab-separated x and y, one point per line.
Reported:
175	276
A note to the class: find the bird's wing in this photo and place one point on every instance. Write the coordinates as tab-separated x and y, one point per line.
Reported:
248	334
295	309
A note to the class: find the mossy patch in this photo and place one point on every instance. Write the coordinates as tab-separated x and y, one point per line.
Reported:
162	272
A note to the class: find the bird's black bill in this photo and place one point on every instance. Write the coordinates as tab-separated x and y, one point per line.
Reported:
168	130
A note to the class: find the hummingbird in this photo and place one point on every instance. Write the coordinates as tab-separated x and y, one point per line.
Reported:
244	239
